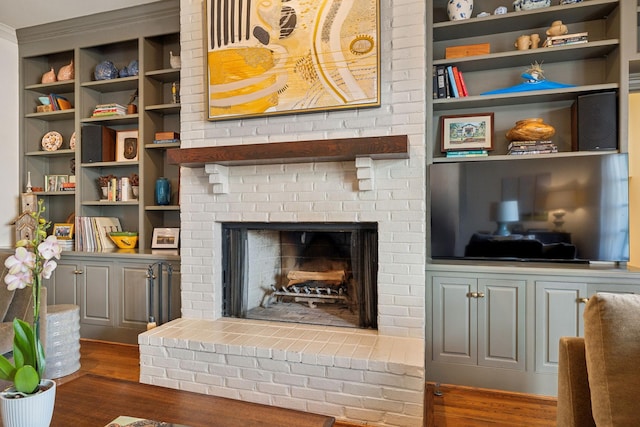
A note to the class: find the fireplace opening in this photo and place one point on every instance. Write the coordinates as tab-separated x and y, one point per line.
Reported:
315	273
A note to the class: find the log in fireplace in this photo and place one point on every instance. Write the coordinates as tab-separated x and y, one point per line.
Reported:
317	273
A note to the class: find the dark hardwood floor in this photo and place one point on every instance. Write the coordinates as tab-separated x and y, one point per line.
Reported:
457	406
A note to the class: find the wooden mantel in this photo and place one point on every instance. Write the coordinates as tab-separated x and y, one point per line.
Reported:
329	150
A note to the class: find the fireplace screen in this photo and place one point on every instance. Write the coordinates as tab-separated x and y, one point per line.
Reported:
301	272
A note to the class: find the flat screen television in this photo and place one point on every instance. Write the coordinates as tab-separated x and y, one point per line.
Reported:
569	209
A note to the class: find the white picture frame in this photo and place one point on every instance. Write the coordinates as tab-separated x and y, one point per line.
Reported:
165	238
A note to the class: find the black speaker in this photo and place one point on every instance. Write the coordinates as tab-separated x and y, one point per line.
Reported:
98	144
595	122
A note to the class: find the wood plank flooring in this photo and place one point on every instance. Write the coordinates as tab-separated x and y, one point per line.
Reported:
458	406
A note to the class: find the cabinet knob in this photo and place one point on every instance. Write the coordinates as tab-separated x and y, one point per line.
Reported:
583	300
480	295
78	272
472	295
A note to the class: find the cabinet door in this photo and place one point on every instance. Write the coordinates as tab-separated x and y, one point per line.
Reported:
96	295
501	323
134	297
558	313
62	287
454	320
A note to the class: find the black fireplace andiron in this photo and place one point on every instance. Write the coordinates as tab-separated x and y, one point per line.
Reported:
160	309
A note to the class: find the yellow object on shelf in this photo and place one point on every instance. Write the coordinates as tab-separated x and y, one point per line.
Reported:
124	239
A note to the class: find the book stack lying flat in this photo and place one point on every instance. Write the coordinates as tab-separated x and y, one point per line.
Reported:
468	153
166	137
531	147
566	39
105	110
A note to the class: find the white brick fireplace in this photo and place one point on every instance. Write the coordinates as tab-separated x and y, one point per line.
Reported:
359	375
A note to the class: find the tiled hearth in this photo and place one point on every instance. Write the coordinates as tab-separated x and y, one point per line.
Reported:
348	373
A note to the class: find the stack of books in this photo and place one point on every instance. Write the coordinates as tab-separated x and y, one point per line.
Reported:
566	39
105	110
531	147
448	82
468	153
92	233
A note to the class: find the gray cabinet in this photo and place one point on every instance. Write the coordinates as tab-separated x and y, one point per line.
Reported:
112	292
483	317
479	321
559	309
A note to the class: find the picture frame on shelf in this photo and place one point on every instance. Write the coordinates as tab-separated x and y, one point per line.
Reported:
467	132
343	72
127	145
165	238
63	231
53	183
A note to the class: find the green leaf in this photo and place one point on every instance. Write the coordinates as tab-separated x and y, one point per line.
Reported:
26	379
41	361
7	370
23	344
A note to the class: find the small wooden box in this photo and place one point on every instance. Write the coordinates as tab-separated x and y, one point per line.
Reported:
467	50
167	135
44	108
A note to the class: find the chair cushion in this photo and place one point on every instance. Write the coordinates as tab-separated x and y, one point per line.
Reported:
612	344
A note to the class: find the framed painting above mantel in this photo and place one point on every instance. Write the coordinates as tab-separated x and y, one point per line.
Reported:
268	58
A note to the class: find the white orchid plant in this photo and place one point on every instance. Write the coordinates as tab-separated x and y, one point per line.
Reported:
32	262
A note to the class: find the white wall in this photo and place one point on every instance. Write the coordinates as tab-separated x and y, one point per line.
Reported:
9	123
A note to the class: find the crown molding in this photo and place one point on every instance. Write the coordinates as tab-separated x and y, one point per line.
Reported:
8	33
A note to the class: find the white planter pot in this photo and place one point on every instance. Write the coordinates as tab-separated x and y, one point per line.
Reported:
32	411
459	9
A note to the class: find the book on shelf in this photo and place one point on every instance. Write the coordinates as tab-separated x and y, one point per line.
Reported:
92	233
467	153
566	39
441	81
456	76
165	141
463	84
452	82
531	147
103	110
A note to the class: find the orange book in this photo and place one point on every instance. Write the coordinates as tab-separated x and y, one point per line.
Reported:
456	76
463	84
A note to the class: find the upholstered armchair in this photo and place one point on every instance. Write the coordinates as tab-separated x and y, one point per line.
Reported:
599	375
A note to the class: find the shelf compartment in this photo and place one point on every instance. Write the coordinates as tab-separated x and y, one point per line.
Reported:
543	55
58	153
162	208
517	21
500	157
53	116
112	85
164	108
113	120
167	75
55	87
443	104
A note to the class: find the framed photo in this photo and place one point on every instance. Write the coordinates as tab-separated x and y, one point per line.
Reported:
63	231
316	57
127	145
467	132
165	238
54	182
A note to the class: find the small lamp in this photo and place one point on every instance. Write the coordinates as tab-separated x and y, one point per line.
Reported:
560	201
506	212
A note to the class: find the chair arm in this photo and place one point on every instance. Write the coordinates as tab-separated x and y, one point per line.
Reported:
574	396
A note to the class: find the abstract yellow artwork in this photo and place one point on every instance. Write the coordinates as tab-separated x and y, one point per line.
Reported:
289	56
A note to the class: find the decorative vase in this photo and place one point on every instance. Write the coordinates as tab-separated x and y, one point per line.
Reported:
34	410
519	5
48	77
105	192
530	130
105	71
67	72
163	191
136	190
459	9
